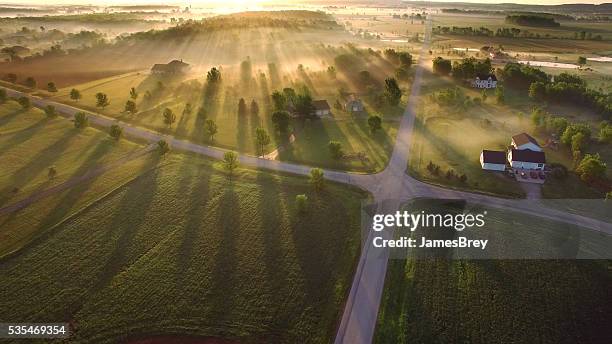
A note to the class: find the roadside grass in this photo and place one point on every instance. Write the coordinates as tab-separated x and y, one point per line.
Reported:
454	139
438	300
185	250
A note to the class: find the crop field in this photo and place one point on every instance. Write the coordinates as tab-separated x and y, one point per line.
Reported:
437	300
185	250
31	143
440	137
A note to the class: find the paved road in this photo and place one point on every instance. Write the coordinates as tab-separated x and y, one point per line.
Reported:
389	187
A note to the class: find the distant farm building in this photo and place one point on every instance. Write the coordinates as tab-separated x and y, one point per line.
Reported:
485	81
493	160
353	104
321	107
171	68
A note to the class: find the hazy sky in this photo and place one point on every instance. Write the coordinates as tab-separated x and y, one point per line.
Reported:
251	2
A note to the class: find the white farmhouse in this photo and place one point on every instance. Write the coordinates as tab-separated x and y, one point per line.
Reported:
526	159
485	81
321	107
493	160
525	141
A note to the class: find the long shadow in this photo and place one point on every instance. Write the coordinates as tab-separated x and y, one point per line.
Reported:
242	132
223	275
28	171
24	135
11	116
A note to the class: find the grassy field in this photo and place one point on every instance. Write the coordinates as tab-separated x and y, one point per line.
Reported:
440	137
30	143
236	131
496	301
184	250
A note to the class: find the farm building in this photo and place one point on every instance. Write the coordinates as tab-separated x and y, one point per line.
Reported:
485	81
526	159
525	141
321	107
353	104
173	67
493	160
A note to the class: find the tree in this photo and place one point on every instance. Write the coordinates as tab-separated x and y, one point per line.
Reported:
188	109
537	90
11	77
52	172
393	94
24	102
579	142
130	106
262	139
572	130
281	121
133	93
102	100
279	100
331	71
30	82
163	147
591	168
230	162
115	132
51	87
3	96
605	132
303	105
211	129
608	195
500	95
50	111
254	108
169	117
442	66
375	123
316	178
75	94
335	149
81	120
213	76
582	60
301	203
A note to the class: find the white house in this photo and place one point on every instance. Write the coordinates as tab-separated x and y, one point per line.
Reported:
525	141
485	81
526	159
493	160
321	107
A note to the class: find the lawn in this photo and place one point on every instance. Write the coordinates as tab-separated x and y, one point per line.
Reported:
184	250
453	139
439	300
31	143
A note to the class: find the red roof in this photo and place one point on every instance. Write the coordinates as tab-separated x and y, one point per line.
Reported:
524	138
526	155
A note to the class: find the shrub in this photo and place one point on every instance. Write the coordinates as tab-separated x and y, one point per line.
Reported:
80	120
316	178
335	149
24	102
50	111
115	131
301	203
163	147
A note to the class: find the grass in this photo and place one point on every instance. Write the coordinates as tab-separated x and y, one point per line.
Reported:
184	250
237	131
30	143
439	300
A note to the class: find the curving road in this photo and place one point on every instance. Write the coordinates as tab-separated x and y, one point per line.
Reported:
389	188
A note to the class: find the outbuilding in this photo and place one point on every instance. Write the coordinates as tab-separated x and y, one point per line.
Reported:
493	160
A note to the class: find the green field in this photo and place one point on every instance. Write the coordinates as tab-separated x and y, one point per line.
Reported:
438	300
184	250
31	143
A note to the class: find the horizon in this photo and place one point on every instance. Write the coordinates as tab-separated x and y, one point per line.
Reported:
251	3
